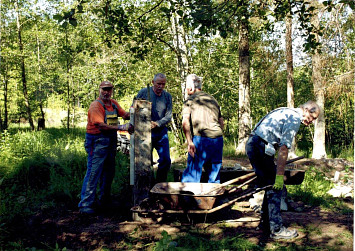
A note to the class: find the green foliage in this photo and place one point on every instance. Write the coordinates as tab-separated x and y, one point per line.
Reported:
44	169
313	190
200	241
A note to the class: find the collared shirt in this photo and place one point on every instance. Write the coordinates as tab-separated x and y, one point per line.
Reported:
162	107
280	126
204	113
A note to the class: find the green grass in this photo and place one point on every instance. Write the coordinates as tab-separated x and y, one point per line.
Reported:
313	192
199	240
44	168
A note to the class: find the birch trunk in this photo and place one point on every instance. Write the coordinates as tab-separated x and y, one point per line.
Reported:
319	93
290	78
244	125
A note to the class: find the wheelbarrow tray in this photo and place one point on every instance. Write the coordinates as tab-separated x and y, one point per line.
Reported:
180	195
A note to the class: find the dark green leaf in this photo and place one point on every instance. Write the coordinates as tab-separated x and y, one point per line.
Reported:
58	17
73	22
180	13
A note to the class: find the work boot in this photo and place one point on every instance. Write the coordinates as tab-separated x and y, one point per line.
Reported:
284	233
86	211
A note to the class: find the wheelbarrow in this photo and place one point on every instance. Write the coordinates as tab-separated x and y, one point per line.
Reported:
204	198
193	198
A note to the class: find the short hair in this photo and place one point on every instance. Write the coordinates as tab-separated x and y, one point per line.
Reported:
159	75
193	81
311	106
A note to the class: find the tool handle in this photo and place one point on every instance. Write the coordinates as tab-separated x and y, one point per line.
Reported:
293	160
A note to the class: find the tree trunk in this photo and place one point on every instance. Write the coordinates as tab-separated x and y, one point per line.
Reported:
142	151
6	113
244	125
290	79
181	50
68	81
182	64
319	93
41	122
23	69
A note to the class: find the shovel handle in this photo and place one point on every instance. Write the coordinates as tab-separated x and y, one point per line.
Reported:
295	159
244	177
240	178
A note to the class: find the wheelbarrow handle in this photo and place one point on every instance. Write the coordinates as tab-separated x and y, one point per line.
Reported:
295	159
241	178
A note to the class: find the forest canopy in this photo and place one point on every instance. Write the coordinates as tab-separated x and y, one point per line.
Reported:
55	53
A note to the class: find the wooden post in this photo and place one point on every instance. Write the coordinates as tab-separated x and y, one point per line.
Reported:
143	174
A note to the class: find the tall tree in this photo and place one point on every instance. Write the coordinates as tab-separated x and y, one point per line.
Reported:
22	66
319	91
289	69
244	125
180	48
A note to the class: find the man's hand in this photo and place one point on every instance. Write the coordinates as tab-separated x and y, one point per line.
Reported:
191	149
279	182
153	124
124	127
130	129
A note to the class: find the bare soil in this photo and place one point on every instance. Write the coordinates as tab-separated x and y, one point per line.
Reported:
113	229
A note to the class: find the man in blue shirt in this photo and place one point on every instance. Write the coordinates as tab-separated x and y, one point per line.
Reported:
161	116
276	130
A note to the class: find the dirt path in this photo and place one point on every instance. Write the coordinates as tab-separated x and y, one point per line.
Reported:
114	230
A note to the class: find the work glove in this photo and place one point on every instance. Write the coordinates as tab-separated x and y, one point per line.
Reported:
279	182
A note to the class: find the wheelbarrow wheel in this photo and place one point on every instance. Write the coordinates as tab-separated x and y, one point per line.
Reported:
147	218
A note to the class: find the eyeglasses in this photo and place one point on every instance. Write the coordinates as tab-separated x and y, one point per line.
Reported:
106	88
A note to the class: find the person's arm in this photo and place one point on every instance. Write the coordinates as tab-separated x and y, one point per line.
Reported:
187	131
221	122
126	116
281	160
105	127
168	113
280	171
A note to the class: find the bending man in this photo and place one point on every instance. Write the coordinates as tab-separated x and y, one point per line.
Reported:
276	130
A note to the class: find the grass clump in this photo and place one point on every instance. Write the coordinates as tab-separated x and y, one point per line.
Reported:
44	169
313	191
202	241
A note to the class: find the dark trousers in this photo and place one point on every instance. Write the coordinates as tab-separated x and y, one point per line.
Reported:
160	142
265	169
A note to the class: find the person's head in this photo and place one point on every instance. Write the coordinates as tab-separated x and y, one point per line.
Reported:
193	83
159	82
310	112
106	88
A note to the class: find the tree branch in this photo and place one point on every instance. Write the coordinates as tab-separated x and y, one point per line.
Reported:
150	10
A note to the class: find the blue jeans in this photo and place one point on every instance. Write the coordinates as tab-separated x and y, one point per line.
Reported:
101	149
160	141
265	169
209	152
